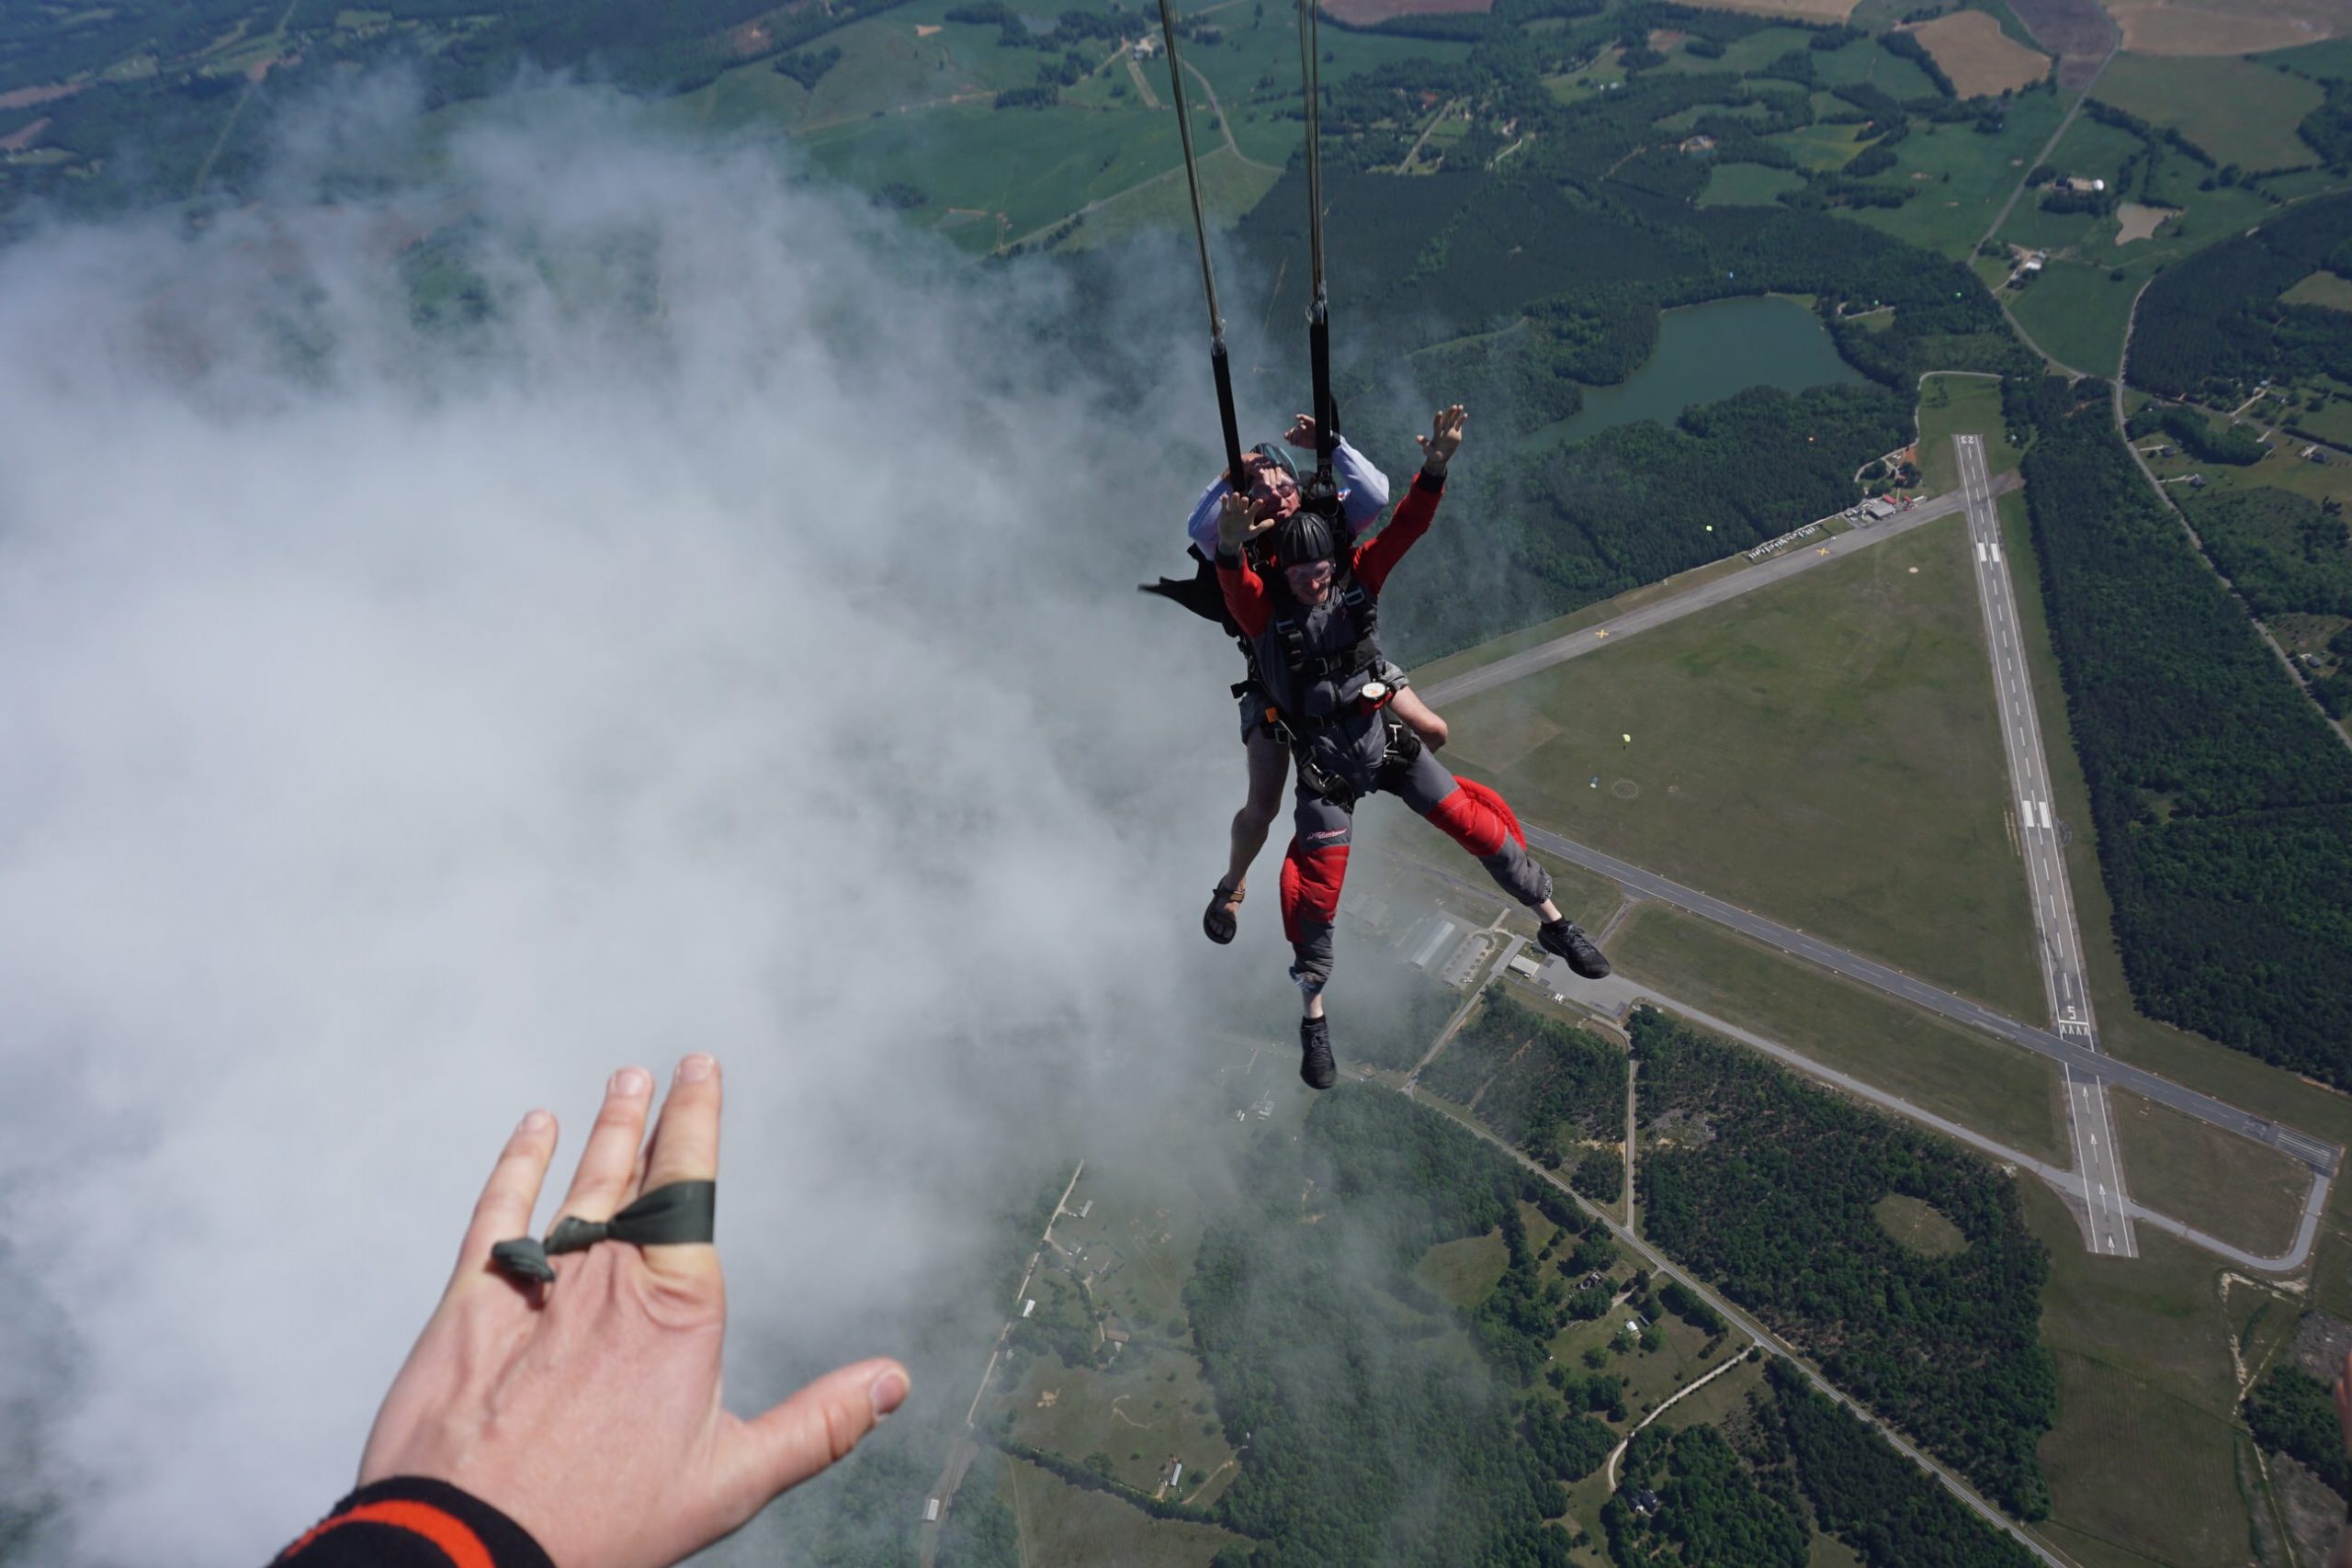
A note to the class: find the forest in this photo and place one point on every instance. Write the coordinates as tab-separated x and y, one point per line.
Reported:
1872	1498
1765	1186
1711	1509
2293	1412
1548	1088
2286	553
2212	326
2221	801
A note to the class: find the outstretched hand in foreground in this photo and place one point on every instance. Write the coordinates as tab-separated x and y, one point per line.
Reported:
588	1411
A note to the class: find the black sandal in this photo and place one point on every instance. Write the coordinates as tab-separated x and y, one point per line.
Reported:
1219	920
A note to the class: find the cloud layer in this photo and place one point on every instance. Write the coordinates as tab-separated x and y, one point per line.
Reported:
605	598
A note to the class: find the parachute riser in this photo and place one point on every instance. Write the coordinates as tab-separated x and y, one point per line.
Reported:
1220	366
1323	493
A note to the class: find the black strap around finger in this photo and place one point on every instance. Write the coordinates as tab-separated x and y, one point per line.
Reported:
682	1213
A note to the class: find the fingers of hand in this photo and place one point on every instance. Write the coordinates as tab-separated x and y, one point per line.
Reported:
507	1198
608	1164
816	1427
685	1140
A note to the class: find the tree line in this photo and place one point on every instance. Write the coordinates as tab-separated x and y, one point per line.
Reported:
2222	803
1766	1186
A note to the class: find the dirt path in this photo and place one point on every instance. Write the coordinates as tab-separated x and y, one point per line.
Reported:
1690	1388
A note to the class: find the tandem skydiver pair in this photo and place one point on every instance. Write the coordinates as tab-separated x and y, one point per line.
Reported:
1299	586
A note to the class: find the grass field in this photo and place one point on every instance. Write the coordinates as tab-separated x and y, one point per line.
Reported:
2330	60
1025	168
2000	1091
1685	119
2227	1186
1064	1526
2077	314
1978	56
2241	113
1484	653
1229	187
1822	750
1743	55
1961	405
1919	1227
1465	1271
2141	1462
2282	469
2321	288
2136	1469
1968	176
1822	146
908	104
1748	185
1864	61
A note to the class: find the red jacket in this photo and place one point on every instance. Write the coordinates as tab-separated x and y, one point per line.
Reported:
1250	598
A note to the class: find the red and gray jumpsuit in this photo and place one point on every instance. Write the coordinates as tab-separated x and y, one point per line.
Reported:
1316	662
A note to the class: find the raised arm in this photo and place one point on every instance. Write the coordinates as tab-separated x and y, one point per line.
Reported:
1375	560
1246	599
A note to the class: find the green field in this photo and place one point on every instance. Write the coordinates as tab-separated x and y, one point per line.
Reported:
2328	60
1748	185
1064	1524
1919	1227
2241	113
2132	1468
1821	145
2077	314
1464	1271
1962	177
1864	61
1684	119
2323	289
1998	1090
2230	1186
2141	1461
1023	169
1822	750
1961	405
908	104
2282	469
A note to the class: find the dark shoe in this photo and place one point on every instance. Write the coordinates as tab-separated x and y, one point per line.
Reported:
1314	1064
1564	937
1218	919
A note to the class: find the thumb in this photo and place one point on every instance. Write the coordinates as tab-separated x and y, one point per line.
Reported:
814	1430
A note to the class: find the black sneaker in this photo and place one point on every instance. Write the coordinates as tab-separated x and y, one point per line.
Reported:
1314	1064
1564	937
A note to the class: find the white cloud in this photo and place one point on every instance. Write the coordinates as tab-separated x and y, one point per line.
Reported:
727	646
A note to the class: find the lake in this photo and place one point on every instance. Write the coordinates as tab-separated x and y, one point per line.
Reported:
1706	353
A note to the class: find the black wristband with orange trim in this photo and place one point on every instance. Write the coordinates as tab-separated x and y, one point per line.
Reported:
411	1522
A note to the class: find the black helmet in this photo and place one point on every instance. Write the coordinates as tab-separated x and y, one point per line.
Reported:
1305	536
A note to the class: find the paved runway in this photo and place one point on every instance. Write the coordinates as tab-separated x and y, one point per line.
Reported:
2058	937
2066	1050
1803	556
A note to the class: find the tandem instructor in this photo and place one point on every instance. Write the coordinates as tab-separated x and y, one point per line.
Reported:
561	1408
